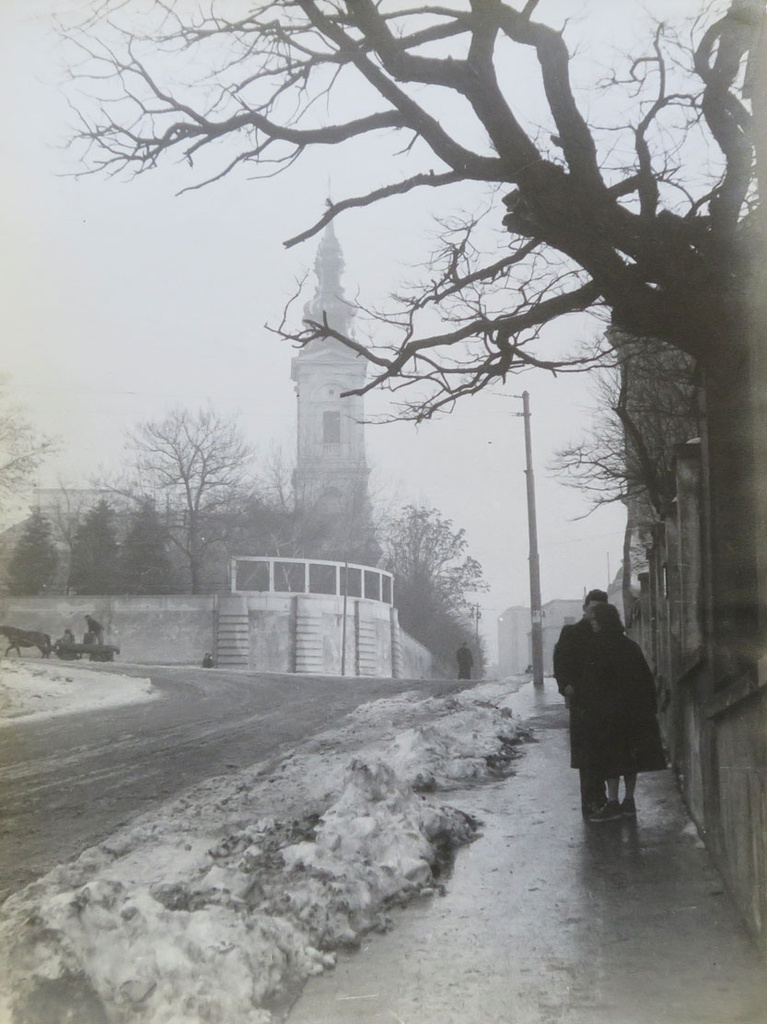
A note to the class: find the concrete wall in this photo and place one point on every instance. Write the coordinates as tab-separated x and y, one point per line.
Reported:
272	634
170	629
180	629
417	660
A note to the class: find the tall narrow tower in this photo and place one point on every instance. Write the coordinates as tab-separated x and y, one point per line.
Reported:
331	478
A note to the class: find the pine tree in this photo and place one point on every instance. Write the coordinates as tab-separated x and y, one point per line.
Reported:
94	567
33	563
144	567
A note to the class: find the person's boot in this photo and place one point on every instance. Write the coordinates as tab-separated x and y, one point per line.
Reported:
609	812
628	807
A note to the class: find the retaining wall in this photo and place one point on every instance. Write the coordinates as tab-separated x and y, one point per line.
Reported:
260	632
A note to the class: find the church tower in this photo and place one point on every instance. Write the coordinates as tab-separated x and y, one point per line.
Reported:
331	478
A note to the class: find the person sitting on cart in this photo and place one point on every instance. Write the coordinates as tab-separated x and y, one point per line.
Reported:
63	646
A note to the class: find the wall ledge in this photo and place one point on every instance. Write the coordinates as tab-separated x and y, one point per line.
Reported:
737	693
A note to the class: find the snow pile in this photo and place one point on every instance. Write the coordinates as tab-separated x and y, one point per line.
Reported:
43	689
467	746
221	907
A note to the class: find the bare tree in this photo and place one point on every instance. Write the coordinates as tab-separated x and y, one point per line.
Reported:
620	217
435	577
22	449
194	466
647	404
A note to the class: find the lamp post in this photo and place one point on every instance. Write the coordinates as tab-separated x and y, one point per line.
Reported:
536	612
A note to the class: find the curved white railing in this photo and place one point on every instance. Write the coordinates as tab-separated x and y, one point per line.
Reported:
252	574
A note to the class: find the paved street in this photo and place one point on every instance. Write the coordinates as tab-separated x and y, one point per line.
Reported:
68	782
548	920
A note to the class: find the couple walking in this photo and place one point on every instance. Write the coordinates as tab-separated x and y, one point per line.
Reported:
610	690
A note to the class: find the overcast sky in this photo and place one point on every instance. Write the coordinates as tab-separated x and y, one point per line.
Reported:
120	300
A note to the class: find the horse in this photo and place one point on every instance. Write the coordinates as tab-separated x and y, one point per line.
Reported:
26	638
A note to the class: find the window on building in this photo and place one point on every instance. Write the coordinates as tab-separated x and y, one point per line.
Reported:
331	427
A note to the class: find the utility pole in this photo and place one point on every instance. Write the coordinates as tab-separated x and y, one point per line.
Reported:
343	618
536	612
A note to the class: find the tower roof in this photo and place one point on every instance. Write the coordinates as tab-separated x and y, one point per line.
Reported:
329	299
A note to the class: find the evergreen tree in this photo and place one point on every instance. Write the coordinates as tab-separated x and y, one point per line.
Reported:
33	563
144	566
94	567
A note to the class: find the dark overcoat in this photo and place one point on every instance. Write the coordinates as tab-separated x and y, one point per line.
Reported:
618	701
570	664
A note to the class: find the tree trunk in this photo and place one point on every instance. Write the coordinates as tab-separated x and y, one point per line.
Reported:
195	554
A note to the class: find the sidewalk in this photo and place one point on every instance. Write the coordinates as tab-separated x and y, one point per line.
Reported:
550	920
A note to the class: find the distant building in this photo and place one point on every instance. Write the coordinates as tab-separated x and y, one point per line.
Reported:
514	647
556	614
514	651
331	476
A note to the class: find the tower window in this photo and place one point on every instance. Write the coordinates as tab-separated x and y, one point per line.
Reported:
331	427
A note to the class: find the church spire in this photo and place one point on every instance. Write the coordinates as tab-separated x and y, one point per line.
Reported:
329	299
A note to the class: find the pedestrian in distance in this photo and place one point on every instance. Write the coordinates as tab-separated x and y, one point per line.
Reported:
569	672
624	738
95	629
465	661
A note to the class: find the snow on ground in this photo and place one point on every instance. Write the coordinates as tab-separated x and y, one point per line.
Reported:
41	690
219	905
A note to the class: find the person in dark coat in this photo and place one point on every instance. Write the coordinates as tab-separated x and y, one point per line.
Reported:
623	737
569	672
465	661
95	629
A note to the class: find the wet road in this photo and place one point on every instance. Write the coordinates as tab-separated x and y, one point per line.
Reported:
70	781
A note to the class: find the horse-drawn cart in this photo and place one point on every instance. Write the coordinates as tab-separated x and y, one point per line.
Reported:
95	652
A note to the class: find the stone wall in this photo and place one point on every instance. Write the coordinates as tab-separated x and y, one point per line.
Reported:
715	728
741	796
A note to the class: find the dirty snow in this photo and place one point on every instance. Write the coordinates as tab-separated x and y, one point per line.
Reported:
43	689
217	907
